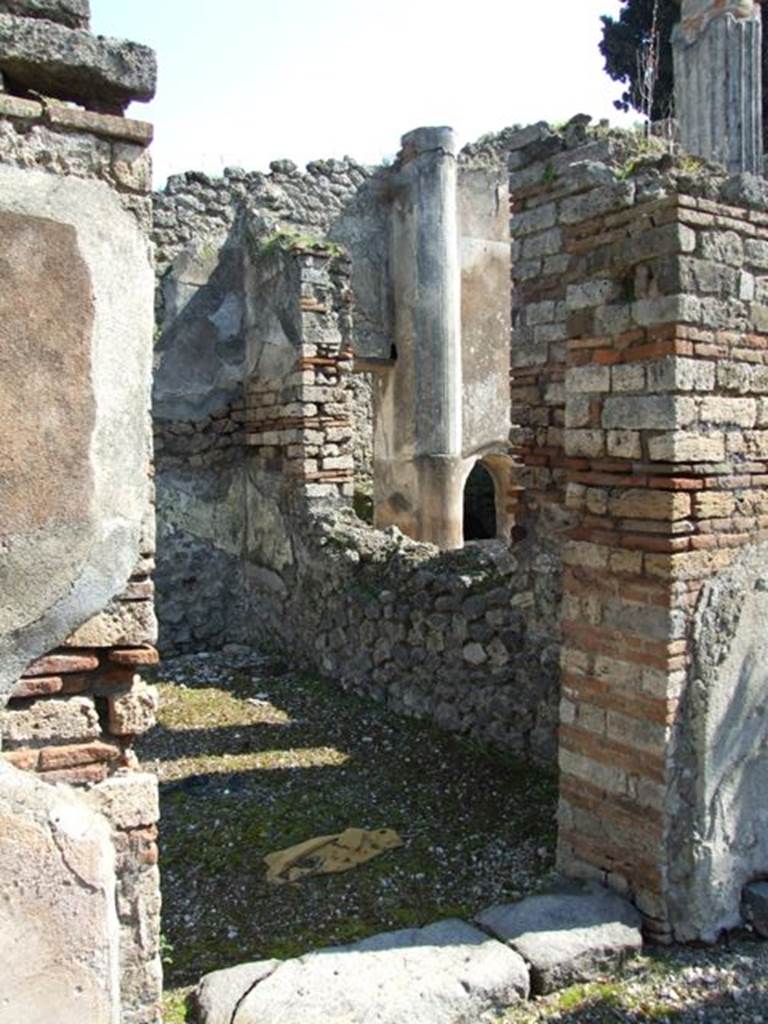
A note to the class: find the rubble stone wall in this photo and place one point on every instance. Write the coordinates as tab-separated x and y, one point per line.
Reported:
463	638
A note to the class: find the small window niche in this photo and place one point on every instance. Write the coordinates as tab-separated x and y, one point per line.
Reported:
480	517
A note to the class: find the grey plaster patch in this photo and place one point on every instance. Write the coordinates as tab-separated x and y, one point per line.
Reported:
719	840
567	936
446	973
51	586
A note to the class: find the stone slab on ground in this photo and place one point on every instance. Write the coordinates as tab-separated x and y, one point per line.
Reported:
72	13
566	936
755	907
72	64
446	973
217	996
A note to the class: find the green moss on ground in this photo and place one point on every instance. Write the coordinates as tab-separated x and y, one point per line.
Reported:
263	760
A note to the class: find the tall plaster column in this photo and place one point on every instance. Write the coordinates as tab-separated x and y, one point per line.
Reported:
427	329
718	82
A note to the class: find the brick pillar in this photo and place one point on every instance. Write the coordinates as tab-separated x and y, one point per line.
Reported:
299	421
665	366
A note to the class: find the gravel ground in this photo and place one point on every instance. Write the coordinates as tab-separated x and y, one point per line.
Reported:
253	758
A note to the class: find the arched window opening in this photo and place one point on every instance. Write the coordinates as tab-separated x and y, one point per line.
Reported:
479	505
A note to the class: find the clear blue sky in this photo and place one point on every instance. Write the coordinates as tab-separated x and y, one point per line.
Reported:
248	81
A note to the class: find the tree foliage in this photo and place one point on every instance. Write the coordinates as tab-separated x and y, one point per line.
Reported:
624	39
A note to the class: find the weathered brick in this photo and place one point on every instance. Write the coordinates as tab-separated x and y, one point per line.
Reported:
57	664
130	656
39	686
74	755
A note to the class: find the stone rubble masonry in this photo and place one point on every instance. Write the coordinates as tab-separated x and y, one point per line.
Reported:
72	714
463	638
639	369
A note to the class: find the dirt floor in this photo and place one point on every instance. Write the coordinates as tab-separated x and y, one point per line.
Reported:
253	758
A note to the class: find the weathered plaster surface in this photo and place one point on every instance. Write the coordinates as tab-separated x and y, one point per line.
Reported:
64	563
719	841
58	921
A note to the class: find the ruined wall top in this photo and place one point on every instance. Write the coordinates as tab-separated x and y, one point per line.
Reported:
45	47
697	14
72	13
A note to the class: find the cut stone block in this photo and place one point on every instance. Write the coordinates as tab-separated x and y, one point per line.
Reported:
755	907
71	64
72	13
567	936
50	720
446	973
135	712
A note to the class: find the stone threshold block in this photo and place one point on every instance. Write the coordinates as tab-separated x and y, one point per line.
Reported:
570	935
71	64
446	973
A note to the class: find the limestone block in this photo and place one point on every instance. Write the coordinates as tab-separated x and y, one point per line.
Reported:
647	412
59	719
628	377
675	373
647	504
445	973
72	64
58	921
135	712
683	446
623	444
122	623
589	443
567	936
740	412
72	13
589	378
128	801
756	253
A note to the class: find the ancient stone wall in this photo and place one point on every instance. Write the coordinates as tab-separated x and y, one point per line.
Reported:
465	639
202	232
655	298
205	229
76	503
